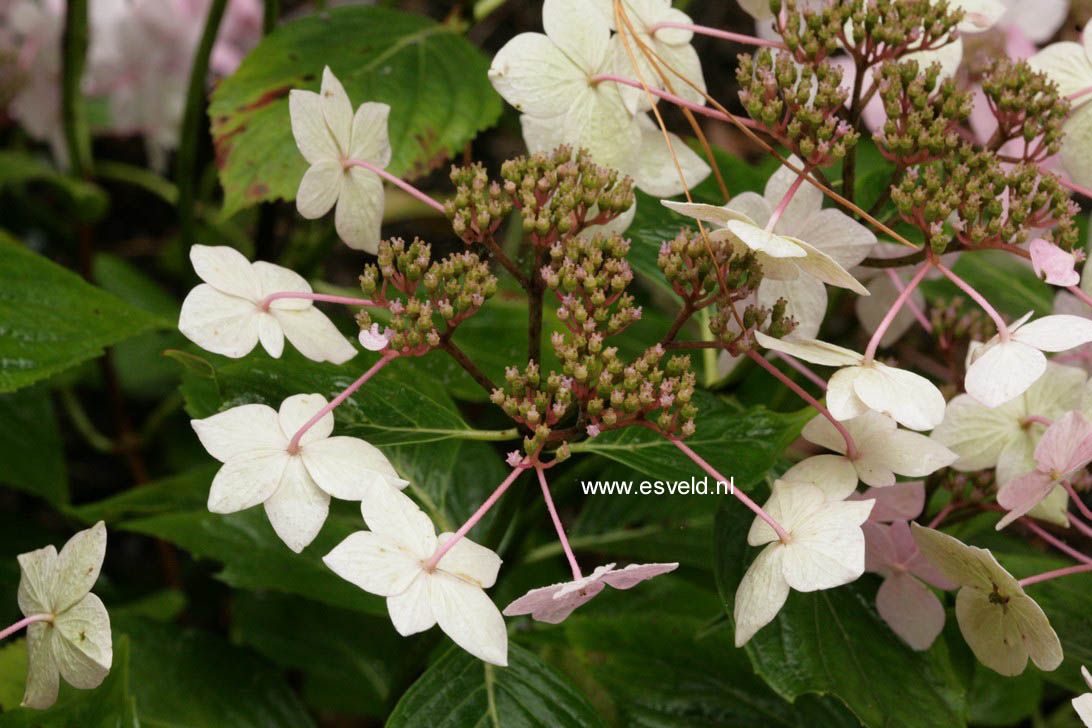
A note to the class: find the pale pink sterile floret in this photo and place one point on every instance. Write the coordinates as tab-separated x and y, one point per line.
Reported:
556	602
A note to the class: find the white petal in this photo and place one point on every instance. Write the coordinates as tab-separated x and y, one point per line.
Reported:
218	322
78	566
826	269
38	573
319	188
313	137
828	549
959	563
1004	371
225	269
349	468
411	610
1055	333
583	36
805	202
980	15
315	336
1076	153
375	563
720	216
240	430
271	335
831	474
278	279
598	121
976	433
81	642
761	593
533	74
469	561
842	400
949	56
542	135
836	234
469	617
359	210
634	574
811	350
994	639
1054	508
752	205
393	514
766	243
337	110
655	172
789	504
297	410
298	508
911	610
1066	64
909	453
1017	457
1039	637
247	480
370	142
43	677
807	302
911	399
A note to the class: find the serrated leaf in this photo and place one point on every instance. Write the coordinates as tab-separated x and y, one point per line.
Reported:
833	642
433	78
30	445
461	690
51	319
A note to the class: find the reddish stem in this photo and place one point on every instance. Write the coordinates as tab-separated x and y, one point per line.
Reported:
851	447
1056	543
24	622
939	518
1036	418
433	560
801	367
1002	328
678	100
557	525
1080	525
896	281
294	443
885	324
1081	295
1077	94
1085	511
718	33
1055	574
1075	187
786	199
346	163
264	303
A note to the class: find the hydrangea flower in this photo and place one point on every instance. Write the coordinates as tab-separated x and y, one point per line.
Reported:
826	546
554	603
1066	447
330	136
999	370
295	483
75	643
1052	264
898	502
1069	65
1083	703
910	399
226	314
883	450
1002	625
389	560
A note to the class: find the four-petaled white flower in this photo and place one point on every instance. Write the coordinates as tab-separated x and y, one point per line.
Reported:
1083	703
883	450
1065	448
76	643
226	314
826	546
905	603
554	603
1069	65
911	399
254	443
782	256
999	370
330	136
389	560
1002	624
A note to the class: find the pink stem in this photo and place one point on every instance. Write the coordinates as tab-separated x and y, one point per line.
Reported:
1036	418
1084	298
294	444
718	33
557	525
24	622
782	534
785	200
1080	525
1060	545
896	281
939	518
433	560
1075	187
1055	574
674	99
801	367
1002	328
264	303
885	324
1078	94
1085	511
394	181
851	447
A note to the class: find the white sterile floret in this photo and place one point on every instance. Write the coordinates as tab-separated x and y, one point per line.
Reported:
825	549
554	603
253	442
911	399
1002	625
999	370
226	314
389	560
76	643
1069	65
782	256
1083	703
883	450
329	135
671	46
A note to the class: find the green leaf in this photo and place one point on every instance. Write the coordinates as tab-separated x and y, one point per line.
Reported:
833	642
741	445
433	78
461	690
996	700
86	200
51	319
30	445
110	705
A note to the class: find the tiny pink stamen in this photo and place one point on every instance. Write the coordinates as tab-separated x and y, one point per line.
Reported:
406	186
25	621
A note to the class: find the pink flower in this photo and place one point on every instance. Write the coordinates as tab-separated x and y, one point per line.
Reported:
1066	447
898	502
909	608
554	603
1053	264
375	340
